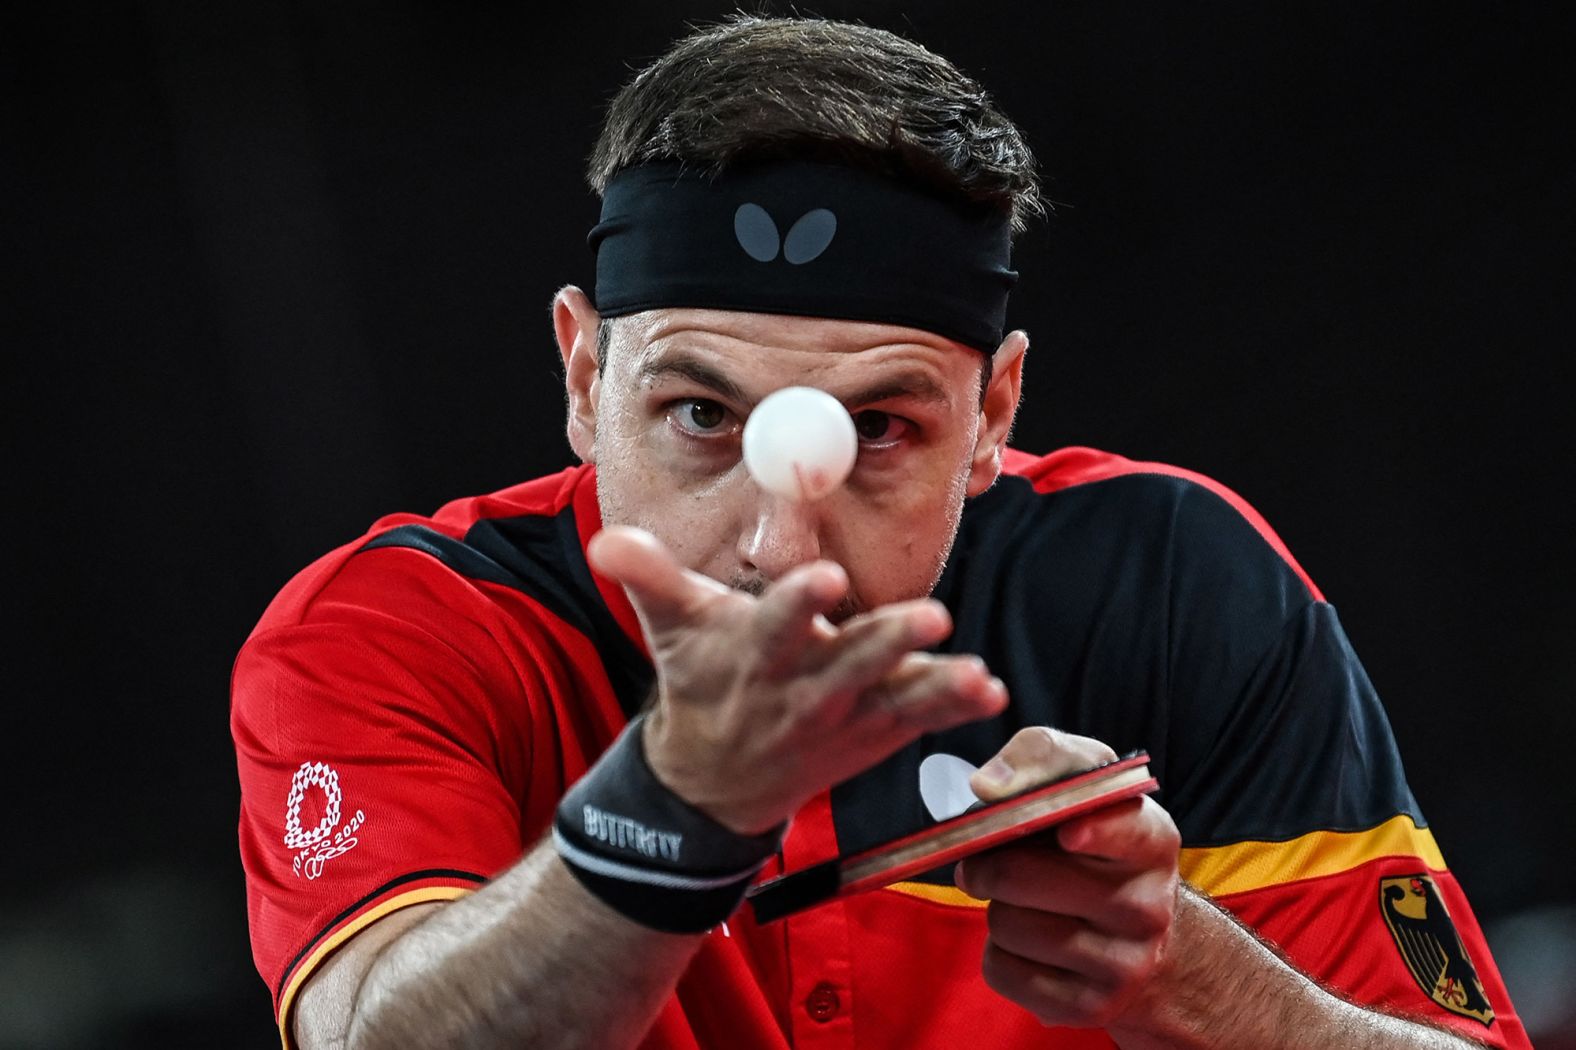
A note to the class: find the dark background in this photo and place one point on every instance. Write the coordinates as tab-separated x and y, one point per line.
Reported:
271	271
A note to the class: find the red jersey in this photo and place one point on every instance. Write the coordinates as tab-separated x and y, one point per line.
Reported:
412	706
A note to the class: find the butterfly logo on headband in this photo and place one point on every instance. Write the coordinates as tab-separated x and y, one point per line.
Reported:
808	237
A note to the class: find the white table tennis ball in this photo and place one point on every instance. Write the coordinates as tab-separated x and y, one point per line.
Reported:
800	443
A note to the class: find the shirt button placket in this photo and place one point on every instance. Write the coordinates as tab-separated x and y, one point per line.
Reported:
819	943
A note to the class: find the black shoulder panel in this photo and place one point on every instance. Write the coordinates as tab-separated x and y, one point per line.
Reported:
1146	611
540	556
1304	745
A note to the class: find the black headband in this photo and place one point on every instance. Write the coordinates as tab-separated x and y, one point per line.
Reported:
806	238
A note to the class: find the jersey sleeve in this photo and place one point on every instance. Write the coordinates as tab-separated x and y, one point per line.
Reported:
1288	788
381	739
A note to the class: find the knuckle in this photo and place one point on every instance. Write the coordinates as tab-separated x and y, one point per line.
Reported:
1127	910
911	623
1143	909
1047	746
884	641
890	629
1171	839
1163	911
1117	964
1038	743
1168	837
1154	920
1083	945
1085	1005
1089	748
1101	962
1030	748
885	710
882	700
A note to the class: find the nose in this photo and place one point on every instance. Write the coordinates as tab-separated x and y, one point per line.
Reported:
779	534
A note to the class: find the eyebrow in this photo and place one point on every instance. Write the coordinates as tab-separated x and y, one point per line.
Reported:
695	371
910	384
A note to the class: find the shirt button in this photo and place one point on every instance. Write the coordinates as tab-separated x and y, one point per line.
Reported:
822	1004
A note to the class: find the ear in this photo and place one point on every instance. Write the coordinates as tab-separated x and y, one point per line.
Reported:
575	323
996	414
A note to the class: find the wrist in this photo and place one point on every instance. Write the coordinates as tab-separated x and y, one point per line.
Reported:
673	763
646	851
1189	1000
1217	986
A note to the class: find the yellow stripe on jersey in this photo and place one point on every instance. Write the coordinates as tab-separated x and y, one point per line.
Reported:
1243	866
349	930
1252	865
938	894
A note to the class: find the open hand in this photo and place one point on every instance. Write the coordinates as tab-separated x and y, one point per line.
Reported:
761	701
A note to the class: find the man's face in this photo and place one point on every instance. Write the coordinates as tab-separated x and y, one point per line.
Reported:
664	420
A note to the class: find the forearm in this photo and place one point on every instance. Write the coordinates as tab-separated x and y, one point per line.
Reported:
1222	988
531	959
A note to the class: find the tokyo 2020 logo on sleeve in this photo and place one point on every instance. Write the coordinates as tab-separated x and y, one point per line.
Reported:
322	843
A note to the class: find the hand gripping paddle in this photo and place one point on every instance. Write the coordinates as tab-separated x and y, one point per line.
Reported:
980	827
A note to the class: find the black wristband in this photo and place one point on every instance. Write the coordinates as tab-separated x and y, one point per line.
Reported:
649	854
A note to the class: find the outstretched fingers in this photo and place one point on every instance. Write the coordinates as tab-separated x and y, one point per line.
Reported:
870	645
791	614
929	693
663	592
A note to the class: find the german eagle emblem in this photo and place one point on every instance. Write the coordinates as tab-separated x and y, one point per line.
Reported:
1421	926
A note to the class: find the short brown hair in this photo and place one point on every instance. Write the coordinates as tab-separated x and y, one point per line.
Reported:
754	88
751	88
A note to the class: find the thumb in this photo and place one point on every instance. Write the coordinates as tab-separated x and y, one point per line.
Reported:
663	592
1036	755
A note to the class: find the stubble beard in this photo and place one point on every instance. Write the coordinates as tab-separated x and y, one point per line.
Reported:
848	607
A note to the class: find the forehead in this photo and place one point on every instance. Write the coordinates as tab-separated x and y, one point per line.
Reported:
779	342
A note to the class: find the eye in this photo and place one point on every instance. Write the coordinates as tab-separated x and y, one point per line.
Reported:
879	428
698	417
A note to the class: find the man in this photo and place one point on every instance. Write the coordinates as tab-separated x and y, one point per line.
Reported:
507	772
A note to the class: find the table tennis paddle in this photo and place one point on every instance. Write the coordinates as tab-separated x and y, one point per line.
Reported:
980	827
